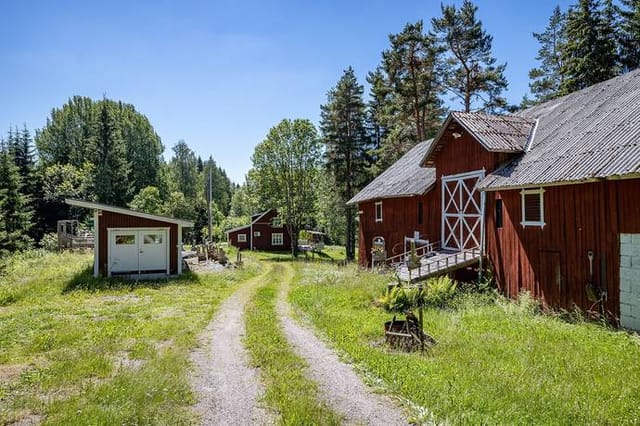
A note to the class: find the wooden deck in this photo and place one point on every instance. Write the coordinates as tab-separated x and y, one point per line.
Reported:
442	262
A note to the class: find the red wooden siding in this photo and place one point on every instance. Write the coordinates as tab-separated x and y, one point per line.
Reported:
262	242
399	219
551	262
117	220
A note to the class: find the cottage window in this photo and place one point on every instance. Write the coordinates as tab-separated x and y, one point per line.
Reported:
256	233
379	211
276	222
532	207
277	239
242	238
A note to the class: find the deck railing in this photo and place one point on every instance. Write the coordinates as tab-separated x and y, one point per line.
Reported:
420	251
440	262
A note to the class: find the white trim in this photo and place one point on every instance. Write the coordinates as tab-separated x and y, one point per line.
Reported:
96	243
541	223
378	219
281	243
179	250
243	240
128	212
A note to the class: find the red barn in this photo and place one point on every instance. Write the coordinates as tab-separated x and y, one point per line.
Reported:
265	232
548	197
397	204
131	243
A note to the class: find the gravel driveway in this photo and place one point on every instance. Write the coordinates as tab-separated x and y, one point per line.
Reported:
340	385
227	386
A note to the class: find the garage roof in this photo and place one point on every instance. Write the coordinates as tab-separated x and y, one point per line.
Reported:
129	212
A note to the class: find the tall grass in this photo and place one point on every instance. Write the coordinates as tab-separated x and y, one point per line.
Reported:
79	350
496	362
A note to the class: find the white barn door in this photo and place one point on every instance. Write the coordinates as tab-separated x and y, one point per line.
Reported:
462	211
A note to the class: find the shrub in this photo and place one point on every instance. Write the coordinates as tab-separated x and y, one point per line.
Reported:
437	292
49	242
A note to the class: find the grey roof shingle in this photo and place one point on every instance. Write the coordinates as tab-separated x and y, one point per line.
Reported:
404	178
498	133
590	134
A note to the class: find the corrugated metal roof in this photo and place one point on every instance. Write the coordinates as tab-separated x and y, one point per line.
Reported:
590	134
498	133
404	178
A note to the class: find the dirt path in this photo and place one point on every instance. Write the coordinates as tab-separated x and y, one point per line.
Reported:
228	387
340	386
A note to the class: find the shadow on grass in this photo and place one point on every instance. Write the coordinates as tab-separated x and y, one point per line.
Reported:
84	280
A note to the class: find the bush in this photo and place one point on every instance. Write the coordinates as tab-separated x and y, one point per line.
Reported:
437	292
49	242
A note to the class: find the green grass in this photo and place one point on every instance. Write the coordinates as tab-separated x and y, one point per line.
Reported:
286	388
79	350
496	362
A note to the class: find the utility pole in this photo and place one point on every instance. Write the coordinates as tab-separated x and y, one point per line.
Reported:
210	237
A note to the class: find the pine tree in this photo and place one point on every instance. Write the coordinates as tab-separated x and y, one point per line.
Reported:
184	166
110	158
547	79
406	93
346	142
470	70
589	56
630	34
15	208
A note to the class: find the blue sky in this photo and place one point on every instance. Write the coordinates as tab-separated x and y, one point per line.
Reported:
219	74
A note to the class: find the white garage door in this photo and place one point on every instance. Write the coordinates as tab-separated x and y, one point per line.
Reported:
135	251
630	281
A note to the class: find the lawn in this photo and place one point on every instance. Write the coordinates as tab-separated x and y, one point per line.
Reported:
496	362
78	350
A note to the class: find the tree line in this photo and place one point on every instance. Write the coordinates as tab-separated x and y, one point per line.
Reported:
103	151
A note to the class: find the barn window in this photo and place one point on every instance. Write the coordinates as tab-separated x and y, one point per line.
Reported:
242	238
277	239
276	222
498	213
256	233
419	212
379	211
532	207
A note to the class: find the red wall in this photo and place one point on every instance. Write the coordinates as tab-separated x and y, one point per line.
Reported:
118	220
263	242
399	219
551	262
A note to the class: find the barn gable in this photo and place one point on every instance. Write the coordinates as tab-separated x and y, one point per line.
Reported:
265	232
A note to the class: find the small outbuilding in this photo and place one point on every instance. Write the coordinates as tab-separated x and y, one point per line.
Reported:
132	243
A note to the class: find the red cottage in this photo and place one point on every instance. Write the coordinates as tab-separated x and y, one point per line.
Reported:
397	204
265	232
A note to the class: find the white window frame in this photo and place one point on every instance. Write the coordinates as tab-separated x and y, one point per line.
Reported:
378	219
276	222
540	191
256	233
281	239
242	238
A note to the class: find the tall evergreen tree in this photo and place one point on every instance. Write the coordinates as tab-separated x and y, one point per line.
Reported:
111	171
470	70
589	56
630	34
405	93
15	208
547	79
347	144
184	167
